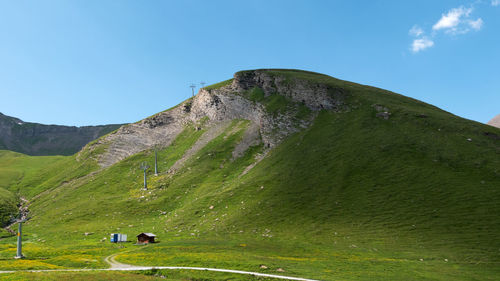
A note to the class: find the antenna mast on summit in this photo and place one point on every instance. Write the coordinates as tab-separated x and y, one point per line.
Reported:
192	86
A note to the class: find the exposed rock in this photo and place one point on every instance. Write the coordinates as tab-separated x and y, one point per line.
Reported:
384	115
380	108
495	122
209	135
314	95
38	139
382	111
216	108
250	138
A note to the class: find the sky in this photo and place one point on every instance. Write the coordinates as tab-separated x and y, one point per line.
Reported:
90	62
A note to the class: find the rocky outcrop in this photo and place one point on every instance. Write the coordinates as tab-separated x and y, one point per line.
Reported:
229	102
316	96
38	139
495	122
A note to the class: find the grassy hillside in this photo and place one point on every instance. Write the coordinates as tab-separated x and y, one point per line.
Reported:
8	206
15	168
353	197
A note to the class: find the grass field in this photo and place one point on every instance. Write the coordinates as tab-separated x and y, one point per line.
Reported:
177	275
352	197
15	166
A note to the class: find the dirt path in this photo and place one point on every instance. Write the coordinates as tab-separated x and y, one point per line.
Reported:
114	264
118	266
140	268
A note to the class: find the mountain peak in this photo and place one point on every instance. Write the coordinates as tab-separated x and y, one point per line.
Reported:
304	87
495	122
277	103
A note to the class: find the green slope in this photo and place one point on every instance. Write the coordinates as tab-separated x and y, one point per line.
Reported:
352	197
8	206
16	166
14	169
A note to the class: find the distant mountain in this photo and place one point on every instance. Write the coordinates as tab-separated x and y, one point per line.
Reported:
495	122
39	139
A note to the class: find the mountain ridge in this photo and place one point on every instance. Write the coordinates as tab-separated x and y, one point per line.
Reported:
39	139
226	103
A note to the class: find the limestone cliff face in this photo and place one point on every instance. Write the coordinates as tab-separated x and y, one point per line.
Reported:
229	102
38	139
316	96
495	122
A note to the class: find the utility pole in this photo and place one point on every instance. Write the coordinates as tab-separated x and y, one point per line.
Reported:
192	86
202	83
144	167
156	161
19	254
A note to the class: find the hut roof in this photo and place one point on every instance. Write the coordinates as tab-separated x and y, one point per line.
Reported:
147	234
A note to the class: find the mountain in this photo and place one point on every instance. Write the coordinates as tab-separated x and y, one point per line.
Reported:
495	121
38	139
278	171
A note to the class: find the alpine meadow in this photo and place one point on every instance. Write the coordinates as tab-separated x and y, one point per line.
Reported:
275	171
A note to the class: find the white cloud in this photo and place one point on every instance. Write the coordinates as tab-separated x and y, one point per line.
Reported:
421	44
476	24
452	18
495	3
454	22
417	31
457	21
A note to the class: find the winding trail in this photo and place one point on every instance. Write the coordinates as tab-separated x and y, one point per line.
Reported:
114	264
117	266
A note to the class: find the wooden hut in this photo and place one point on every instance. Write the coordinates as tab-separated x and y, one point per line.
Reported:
145	238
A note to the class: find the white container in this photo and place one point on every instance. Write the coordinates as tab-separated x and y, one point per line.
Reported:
122	238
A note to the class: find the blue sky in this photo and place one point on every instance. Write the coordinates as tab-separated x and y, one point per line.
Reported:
87	62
